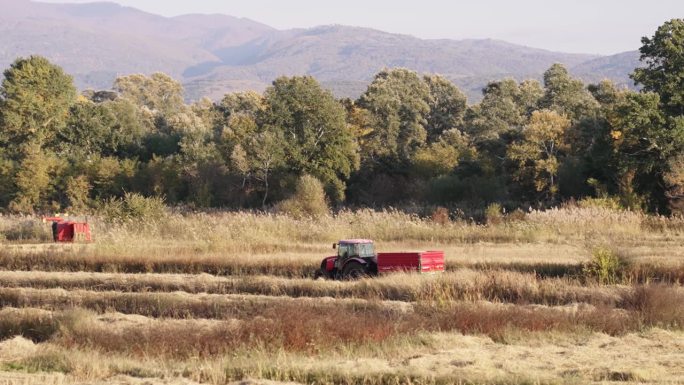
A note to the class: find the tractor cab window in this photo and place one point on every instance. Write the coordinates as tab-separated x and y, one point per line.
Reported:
362	250
343	251
366	250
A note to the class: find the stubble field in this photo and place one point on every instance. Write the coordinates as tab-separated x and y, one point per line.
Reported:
224	298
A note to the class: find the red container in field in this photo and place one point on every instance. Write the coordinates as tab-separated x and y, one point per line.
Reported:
421	262
72	232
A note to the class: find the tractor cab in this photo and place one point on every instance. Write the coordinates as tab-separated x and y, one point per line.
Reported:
354	249
360	248
356	258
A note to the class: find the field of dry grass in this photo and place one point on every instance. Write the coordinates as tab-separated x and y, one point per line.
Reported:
228	298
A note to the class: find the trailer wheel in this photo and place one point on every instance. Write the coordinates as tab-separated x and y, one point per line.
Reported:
354	270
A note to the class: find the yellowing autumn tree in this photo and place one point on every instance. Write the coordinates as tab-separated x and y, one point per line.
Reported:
537	154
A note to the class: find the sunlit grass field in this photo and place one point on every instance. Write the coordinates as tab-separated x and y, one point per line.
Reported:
573	295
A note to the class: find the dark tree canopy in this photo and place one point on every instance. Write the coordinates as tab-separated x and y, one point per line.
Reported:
409	139
663	71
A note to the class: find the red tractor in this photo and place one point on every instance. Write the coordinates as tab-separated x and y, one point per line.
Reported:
357	258
64	231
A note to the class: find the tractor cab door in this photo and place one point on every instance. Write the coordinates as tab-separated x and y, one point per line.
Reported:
344	252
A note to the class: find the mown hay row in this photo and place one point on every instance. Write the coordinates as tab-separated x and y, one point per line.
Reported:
288	267
461	284
69	261
303	320
179	305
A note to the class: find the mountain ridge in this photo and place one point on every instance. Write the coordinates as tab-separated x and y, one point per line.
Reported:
213	53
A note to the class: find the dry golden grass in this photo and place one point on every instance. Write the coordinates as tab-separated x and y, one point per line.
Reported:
304	323
182	305
460	284
225	296
443	358
252	233
553	243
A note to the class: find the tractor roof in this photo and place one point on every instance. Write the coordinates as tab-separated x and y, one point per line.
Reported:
355	241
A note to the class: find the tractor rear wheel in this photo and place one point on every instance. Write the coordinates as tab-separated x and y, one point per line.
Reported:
354	270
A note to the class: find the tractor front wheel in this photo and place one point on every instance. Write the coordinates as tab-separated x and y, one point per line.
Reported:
354	270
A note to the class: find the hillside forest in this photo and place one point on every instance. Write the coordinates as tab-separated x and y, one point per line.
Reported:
409	139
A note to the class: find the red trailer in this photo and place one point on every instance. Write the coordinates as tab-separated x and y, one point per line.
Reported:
64	231
357	258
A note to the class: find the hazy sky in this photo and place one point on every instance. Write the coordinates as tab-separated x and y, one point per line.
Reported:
589	26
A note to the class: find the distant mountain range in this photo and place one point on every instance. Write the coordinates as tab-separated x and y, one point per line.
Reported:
216	54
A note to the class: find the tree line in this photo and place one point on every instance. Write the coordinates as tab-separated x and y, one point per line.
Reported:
408	138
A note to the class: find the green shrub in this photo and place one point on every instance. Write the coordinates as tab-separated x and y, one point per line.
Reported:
494	214
77	192
606	267
308	200
134	206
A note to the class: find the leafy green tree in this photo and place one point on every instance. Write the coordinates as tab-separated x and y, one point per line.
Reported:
195	138
313	127
90	130
663	71
7	188
207	112
78	192
359	123
447	106
496	122
649	128
537	155
160	176
399	104
674	183
109	176
644	143
35	98
498	112
443	156
249	102
529	96
569	97
159	99
566	95
437	159
34	180
238	120
240	163
158	92
130	128
597	161
197	153
606	93
265	153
